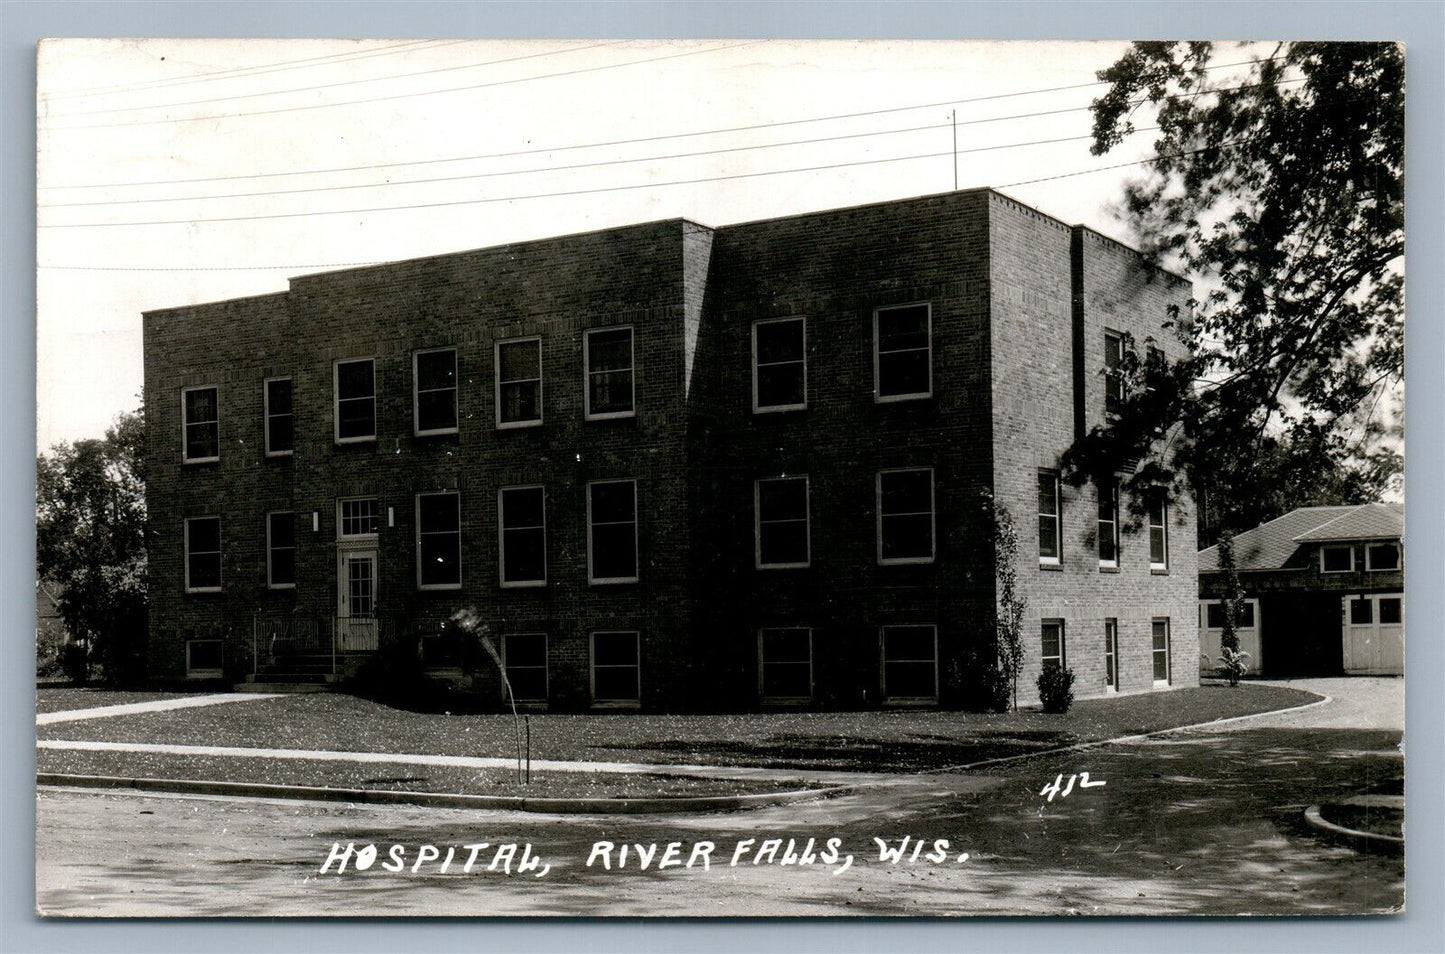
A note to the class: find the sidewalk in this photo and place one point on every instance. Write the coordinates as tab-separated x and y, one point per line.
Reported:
160	705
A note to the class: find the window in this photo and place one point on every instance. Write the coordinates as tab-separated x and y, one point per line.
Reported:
357	518
1158	364
280	423
1161	651
1214	616
434	392
902	353
519	382
607	356
355	383
1361	611
205	659
281	551
1337	559
1158	536
1052	632
524	659
200	425
1111	654
612	531
1113	371
615	671
910	663
905	516
203	554
1108	525
1389	610
438	541
780	367
780	506
1050	543
522	529
785	664
1382	556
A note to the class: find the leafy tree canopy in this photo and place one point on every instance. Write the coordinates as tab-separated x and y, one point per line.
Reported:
1278	188
90	541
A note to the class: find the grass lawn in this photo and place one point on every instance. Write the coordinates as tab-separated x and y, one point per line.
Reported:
881	741
67	698
399	776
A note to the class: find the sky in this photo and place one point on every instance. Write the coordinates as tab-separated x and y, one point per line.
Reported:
171	172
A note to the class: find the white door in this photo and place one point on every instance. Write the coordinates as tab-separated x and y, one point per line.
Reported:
1211	622
356	628
1375	634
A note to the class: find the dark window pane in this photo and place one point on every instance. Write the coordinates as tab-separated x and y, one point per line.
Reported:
909	491
908	537
903	328
615	684
783	499
614	552
526	650
1157	551
521	360
614	649
786	646
205	535
440	560
283	530
522	507
908	642
356	418
1361	612
436	410
1048	494
354	379
521	401
436	370
205	654
279	434
283	567
611	392
903	372
201	405
1214	616
528	685
609	350
439	513
1246	616
1384	557
1337	559
1052	642
780	341
783	543
780	385
787	681
910	680
1389	610
278	397
609	366
613	502
524	558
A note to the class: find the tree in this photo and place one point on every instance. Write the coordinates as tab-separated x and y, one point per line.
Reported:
90	542
1232	662
1009	614
1278	188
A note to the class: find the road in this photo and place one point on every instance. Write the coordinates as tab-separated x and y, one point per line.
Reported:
1201	822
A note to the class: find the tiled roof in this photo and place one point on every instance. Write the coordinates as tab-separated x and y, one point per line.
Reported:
1269	545
1369	522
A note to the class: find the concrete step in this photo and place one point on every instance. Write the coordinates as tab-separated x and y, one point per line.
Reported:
282	687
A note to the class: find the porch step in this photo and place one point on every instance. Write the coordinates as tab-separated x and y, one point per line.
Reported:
282	687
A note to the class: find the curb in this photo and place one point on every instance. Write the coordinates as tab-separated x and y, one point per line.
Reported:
1081	746
557	806
1362	840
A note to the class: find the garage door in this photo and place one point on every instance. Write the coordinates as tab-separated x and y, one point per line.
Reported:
1375	634
1211	631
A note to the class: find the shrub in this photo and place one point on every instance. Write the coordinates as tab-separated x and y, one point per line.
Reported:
1056	688
75	662
1233	663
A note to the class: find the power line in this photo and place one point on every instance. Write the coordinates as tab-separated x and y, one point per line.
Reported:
574	166
243	268
242	71
634	141
396	96
356	82
573	192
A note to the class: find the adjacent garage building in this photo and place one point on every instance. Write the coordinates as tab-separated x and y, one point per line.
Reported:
1325	590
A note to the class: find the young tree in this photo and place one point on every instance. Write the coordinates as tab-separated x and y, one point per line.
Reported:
1009	614
90	542
1233	662
1277	187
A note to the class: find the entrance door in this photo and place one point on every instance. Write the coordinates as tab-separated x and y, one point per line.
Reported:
356	627
1211	635
1375	634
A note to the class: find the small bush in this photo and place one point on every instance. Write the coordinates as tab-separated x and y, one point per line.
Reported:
1056	688
75	663
1233	664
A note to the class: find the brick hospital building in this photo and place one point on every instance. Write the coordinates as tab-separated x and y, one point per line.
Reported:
672	466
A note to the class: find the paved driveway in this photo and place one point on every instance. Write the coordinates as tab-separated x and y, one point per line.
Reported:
1356	702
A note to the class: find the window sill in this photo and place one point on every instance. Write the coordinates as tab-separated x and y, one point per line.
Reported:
619	581
438	587
356	440
1054	565
906	561
1158	570
619	704
284	453
778	408
205	674
185	461
522	584
518	425
202	590
897	398
281	587
911	702
781	566
610	416
790	702
439	432
1108	568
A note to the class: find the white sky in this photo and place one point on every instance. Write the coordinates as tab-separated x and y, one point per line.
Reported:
117	115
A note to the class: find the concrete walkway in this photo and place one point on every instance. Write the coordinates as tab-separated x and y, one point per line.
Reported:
158	705
462	761
1356	702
